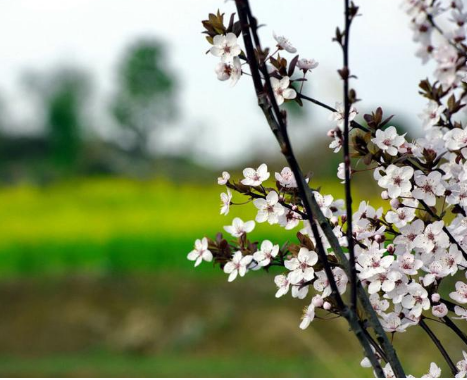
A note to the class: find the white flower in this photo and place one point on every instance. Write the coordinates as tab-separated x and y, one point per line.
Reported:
286	178
341	172
324	203
401	216
384	281
283	285
388	140
462	366
238	228
416	299
388	372
431	114
396	180
307	64
284	44
440	310
338	116
371	261
224	178
460	295
379	305
281	90
255	177
408	264
227	70
225	47
301	267
456	139
428	187
201	252
434	372
409	233
308	316
225	202
237	266
392	323
289	219
432	237
268	209
267	252
460	312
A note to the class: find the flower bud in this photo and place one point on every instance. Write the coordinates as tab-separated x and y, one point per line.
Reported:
385	195
344	218
327	306
380	238
317	301
435	297
334	220
395	203
391	249
331	133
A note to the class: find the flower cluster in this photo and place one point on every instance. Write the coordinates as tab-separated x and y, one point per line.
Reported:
404	252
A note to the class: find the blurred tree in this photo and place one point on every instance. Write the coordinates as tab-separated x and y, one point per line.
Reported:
62	94
144	100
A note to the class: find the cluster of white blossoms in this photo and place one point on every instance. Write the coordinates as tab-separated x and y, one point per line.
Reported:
411	256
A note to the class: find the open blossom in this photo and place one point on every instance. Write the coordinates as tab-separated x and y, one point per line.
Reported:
237	266
286	178
308	316
460	312
432	237
324	203
434	372
268	209
462	366
225	47
225	202
428	187
238	227
408	264
224	178
284	44
229	70
416	299
460	295
431	114
401	216
307	64
283	285
396	180
371	261
388	140
267	252
392	323
456	139
201	252
255	177
289	219
301	267
384	281
281	90
338	116
440	310
379	305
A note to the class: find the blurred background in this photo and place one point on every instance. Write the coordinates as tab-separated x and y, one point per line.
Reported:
113	130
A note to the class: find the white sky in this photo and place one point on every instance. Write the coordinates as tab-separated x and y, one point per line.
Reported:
41	34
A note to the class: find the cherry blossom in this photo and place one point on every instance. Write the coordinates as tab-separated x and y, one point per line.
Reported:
201	252
308	316
396	180
428	187
283	285
286	178
237	266
388	140
301	267
284	44
238	227
460	295
268	209
440	310
255	177
224	178
434	372
307	64
431	114
267	252
282	90
462	366
225	47
225	202
229	70
338	116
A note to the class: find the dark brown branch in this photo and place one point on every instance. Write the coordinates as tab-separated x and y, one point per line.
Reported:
454	328
439	346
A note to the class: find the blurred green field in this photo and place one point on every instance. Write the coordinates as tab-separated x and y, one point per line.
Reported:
113	225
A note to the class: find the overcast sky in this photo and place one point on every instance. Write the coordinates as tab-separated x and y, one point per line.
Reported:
42	34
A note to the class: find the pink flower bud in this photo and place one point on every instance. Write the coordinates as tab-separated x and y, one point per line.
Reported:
385	195
327	306
331	133
317	301
334	220
395	203
380	238
391	249
435	297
